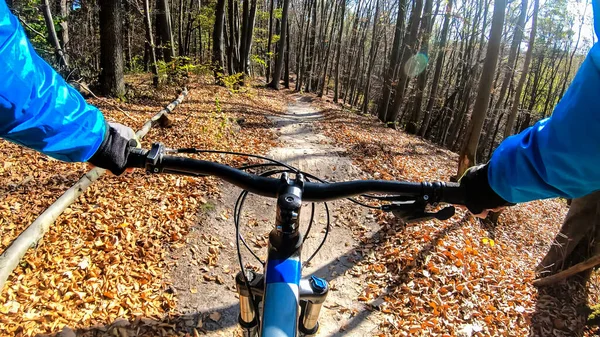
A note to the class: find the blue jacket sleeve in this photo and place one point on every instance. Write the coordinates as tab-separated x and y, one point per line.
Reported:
558	156
38	109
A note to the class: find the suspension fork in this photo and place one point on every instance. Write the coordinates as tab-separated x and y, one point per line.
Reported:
313	293
282	281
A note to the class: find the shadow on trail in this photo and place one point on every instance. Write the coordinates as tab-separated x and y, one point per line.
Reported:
227	315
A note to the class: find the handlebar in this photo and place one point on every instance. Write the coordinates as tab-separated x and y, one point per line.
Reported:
156	161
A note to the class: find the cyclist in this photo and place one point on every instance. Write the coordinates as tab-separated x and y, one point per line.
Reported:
39	110
557	157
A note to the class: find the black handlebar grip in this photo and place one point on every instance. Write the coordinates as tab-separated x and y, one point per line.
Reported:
136	158
453	193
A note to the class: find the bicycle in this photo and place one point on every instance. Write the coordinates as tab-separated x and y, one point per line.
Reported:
291	304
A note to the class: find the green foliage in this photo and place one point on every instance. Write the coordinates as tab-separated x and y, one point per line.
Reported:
35	27
232	82
262	15
206	18
137	64
278	13
276	38
594	316
257	60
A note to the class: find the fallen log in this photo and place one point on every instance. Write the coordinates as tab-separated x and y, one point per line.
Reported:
12	255
576	269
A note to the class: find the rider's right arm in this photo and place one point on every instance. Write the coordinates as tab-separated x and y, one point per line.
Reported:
558	156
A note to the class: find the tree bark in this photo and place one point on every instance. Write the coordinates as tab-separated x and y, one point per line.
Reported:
150	43
384	103
323	79
217	54
437	73
311	48
165	30
426	26
269	41
508	130
580	226
52	36
409	48
338	53
64	26
371	60
281	47
469	149
112	81
509	70
286	76
233	46
249	11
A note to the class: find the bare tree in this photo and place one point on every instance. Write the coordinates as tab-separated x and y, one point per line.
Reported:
52	36
280	47
112	81
469	148
508	130
218	52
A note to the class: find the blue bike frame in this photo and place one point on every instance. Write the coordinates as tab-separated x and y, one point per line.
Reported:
281	299
290	304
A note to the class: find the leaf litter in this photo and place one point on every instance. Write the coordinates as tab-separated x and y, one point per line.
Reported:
101	269
105	257
461	277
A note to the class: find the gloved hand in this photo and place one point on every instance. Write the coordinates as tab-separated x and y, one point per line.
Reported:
480	197
114	150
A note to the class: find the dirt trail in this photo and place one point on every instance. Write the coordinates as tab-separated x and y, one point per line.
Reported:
207	293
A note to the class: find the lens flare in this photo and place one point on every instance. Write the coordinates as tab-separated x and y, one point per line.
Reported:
416	64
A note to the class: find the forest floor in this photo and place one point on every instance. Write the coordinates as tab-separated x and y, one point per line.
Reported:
141	255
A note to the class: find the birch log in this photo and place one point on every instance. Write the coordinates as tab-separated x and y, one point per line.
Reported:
12	255
578	268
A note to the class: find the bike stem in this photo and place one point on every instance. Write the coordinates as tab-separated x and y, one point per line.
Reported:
285	242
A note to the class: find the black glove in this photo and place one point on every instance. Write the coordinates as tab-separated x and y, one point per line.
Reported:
114	150
479	195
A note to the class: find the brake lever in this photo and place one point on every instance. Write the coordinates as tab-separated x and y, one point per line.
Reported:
415	211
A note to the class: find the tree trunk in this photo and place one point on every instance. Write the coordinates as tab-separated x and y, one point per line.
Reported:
189	29
180	44
128	33
217	53
286	76
407	52
426	26
323	79
509	70
64	26
469	149
338	53
311	48
233	46
112	81
579	230
564	84
439	62
165	30
281	47
269	41
517	97
53	37
300	75
371	61
249	14
384	103
150	42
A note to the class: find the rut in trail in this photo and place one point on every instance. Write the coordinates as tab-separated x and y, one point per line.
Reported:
207	294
